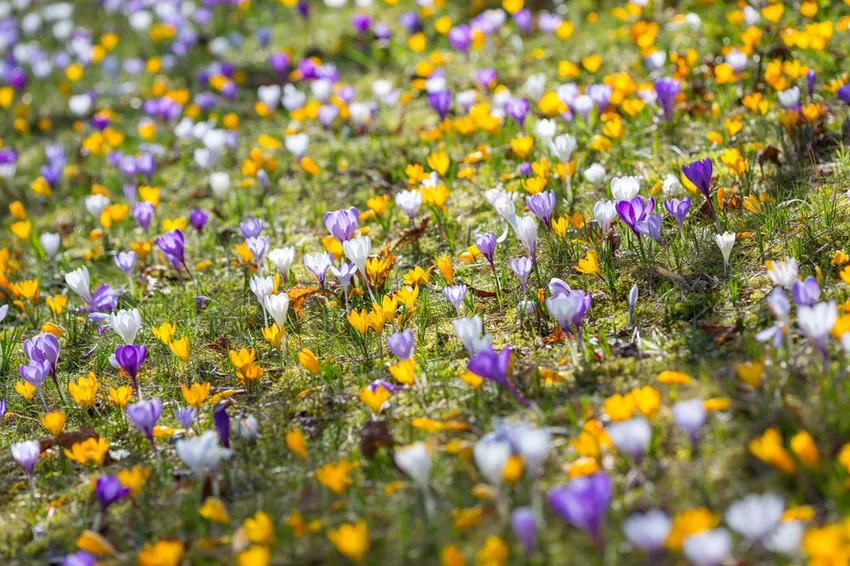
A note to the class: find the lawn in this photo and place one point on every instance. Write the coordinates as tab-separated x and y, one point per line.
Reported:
435	282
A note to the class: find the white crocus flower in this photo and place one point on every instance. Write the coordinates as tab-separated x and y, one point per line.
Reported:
755	516
625	188
78	282
202	453
50	243
708	548
282	259
126	323
415	461
648	531
725	242
783	273
277	305
491	454
605	213
469	332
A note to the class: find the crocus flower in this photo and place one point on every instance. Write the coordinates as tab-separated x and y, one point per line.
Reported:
495	366
79	282
80	558
650	226
198	219
844	94
583	502
172	246
469	332
631	437
441	102
699	173
126	261
486	78
521	268
251	227
257	246
542	205
678	209
409	202
103	300
130	357
109	490
725	242
185	417
202	453
222	424
524	526
34	373
343	276
401	345
342	223
648	531
526	231
144	416
455	294
415	461
43	348
806	292
318	264
517	109
756	515
126	323
667	89
461	38
708	548
816	323
690	416
26	454
635	210
486	244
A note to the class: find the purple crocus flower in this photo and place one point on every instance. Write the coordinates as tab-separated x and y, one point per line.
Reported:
361	22
524	526
144	416
583	502
103	300
521	268
34	372
251	227
185	417
222	424
699	173
391	387
130	357
257	247
486	244
811	79
461	38
318	264
806	292
2	408
441	102
844	94
517	109
401	345
667	89
109	490
455	294
172	246
126	261
678	209
542	205
634	210
79	558
43	348
650	226
486	78
198	219
342	223
524	21
490	365
280	63
410	22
